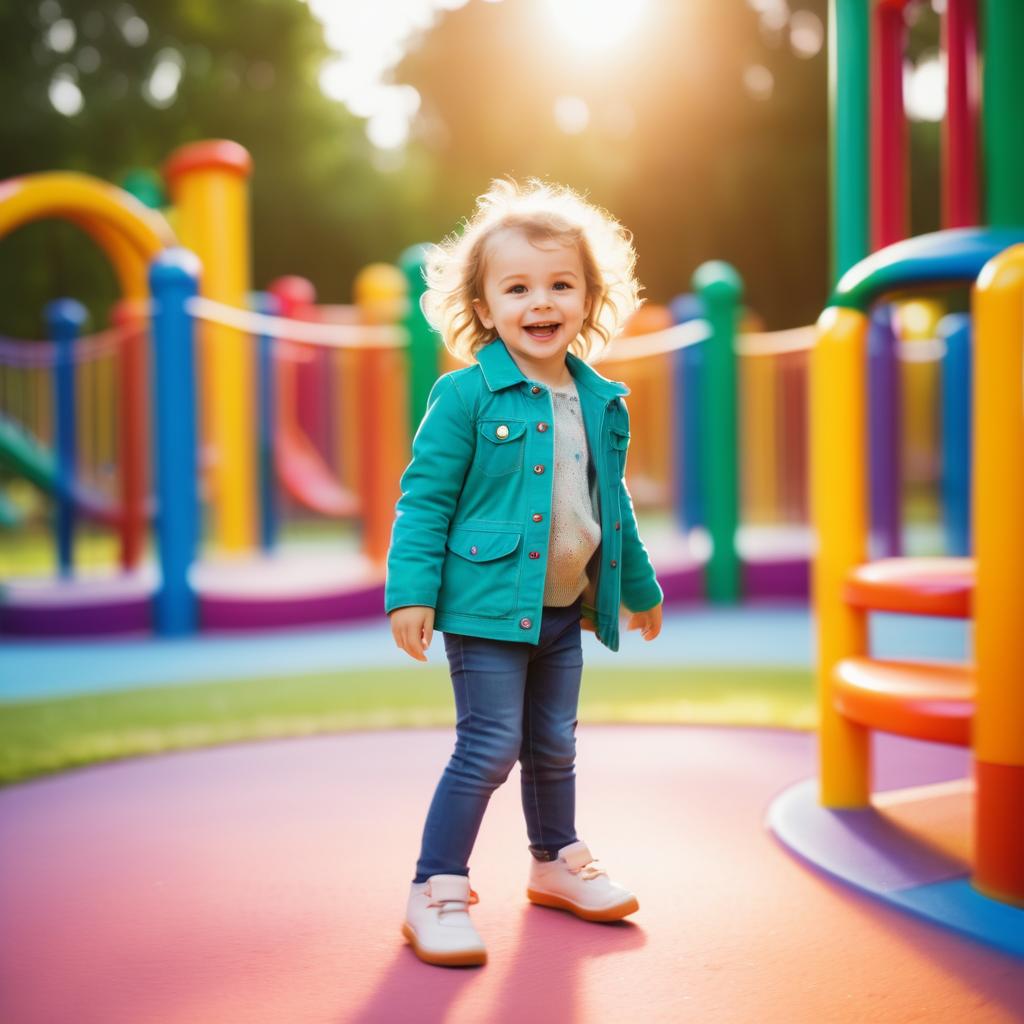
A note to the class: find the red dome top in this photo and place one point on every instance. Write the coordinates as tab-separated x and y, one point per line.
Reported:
218	154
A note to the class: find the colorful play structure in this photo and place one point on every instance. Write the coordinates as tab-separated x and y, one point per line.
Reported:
251	401
334	393
953	854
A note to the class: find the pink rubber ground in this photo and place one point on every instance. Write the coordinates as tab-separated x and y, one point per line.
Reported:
266	883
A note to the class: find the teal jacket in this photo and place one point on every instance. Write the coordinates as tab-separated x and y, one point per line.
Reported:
470	537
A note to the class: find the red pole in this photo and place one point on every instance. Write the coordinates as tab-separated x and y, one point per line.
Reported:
888	126
295	298
133	431
960	129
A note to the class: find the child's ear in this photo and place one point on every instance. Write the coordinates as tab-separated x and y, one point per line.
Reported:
481	310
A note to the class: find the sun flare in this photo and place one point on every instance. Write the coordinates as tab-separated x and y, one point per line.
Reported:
595	26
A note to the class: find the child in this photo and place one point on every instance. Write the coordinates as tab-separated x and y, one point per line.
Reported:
515	522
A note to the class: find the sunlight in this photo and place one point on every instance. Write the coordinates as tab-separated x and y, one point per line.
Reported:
593	26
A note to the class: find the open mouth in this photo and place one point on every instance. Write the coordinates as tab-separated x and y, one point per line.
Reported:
541	331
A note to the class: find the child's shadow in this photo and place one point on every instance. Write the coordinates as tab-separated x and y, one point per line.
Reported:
411	990
547	972
542	973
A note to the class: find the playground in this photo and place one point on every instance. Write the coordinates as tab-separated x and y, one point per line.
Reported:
214	761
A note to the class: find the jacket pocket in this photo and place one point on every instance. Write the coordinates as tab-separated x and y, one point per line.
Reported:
620	443
481	572
500	446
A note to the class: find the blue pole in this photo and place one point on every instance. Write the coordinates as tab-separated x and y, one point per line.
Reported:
955	329
687	376
264	302
173	280
885	434
64	320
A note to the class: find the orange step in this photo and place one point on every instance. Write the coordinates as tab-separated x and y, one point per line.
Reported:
926	701
913	586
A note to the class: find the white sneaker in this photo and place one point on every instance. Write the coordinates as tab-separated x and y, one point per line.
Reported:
573	883
437	922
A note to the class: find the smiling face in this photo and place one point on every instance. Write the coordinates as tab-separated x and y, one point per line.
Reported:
534	296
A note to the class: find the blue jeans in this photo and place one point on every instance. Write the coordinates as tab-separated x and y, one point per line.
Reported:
513	701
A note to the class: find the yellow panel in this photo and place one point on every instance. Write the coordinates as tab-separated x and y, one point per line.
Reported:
838	470
998	499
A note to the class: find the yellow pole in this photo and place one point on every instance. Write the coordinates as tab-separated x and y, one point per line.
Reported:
998	735
838	465
209	183
918	322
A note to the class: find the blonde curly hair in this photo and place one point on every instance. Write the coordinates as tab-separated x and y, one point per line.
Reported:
455	269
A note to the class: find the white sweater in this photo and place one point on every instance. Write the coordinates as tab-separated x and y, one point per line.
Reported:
575	532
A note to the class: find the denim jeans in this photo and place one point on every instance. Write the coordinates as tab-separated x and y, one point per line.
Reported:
513	701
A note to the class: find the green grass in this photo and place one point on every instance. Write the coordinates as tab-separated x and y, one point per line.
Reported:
41	737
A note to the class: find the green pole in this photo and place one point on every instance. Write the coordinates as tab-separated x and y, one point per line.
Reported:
720	289
848	96
423	339
1003	124
147	186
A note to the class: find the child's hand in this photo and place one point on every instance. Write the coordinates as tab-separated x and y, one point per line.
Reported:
648	622
413	629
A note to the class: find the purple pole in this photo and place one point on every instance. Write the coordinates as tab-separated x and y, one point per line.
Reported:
884	435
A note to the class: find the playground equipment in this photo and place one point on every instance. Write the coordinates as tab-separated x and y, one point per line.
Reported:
209	184
923	701
911	847
131	235
334	417
734	469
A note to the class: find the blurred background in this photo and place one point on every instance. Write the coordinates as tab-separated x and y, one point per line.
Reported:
701	125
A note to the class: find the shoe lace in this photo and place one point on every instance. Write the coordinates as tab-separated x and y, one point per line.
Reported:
588	872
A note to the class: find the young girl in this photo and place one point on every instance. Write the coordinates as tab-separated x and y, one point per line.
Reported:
514	524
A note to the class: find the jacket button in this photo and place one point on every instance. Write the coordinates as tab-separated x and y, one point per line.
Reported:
501	432
535	554
614	563
617	524
538	470
525	623
472	550
537	517
533	391
542	427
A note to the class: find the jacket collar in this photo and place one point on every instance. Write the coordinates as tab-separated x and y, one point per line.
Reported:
501	371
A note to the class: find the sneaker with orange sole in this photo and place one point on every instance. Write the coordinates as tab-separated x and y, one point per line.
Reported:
572	882
437	922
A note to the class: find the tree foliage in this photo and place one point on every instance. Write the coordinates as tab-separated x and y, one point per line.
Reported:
676	146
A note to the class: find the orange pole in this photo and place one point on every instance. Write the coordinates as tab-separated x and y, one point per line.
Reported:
380	292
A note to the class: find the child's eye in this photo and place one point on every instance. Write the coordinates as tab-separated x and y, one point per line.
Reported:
517	289
563	285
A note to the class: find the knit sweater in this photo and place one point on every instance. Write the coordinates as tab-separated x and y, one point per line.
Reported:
575	531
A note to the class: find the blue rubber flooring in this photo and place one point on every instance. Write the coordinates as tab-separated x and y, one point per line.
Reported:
746	636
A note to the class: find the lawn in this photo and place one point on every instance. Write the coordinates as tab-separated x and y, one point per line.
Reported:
40	737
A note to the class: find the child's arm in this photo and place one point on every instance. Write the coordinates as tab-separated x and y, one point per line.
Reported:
641	593
431	484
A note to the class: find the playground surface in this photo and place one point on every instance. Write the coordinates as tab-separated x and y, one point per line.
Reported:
267	881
